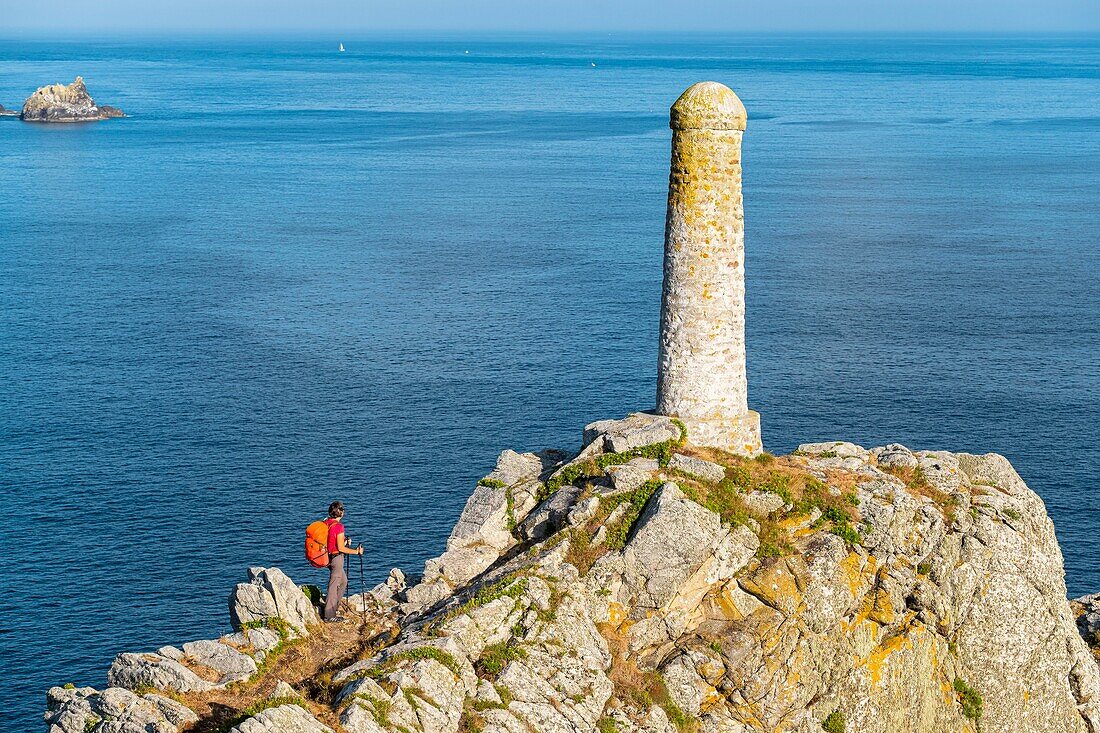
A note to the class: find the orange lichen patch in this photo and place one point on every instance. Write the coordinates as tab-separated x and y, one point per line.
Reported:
775	585
947	690
724	605
881	607
771	632
793	521
748	715
616	614
857	571
876	662
711	700
711	671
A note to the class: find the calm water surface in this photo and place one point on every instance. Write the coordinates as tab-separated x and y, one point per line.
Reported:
295	275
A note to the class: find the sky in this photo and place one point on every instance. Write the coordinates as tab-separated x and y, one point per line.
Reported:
19	17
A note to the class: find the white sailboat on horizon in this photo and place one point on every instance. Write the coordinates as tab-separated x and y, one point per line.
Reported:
341	48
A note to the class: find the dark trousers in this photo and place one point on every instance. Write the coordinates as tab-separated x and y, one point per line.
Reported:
337	586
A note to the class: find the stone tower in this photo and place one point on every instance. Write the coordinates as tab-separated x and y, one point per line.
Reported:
701	369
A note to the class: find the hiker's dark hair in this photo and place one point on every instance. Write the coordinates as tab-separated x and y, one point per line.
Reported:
336	510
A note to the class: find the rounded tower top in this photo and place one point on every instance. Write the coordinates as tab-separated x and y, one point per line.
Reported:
708	105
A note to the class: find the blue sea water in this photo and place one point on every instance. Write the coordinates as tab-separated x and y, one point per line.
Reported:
294	275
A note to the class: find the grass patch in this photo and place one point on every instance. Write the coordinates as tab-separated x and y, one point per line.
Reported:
492	483
582	551
969	699
592	468
429	652
280	627
471	722
798	489
774	542
505	700
635	501
846	532
495	658
276	624
413	655
918	483
512	585
379	708
258	707
641	688
510	510
313	593
606	725
582	554
834	722
724	499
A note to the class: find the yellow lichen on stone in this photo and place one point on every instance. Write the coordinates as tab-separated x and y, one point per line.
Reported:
878	658
881	607
776	586
708	105
701	377
857	571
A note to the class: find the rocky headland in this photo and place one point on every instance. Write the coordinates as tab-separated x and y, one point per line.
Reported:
668	576
61	103
647	584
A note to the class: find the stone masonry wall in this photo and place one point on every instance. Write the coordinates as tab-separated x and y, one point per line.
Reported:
701	371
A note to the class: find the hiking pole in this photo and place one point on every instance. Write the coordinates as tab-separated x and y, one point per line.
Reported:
362	582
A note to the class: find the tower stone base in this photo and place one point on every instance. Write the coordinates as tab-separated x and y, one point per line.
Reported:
740	435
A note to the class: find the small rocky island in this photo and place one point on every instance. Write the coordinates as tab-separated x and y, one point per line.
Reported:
61	103
669	575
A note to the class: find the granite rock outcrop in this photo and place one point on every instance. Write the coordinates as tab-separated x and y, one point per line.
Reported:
668	588
895	590
66	103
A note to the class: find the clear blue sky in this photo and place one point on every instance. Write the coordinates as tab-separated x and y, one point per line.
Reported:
351	16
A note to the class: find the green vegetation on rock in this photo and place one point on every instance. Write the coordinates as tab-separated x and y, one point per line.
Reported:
661	452
969	700
496	657
834	722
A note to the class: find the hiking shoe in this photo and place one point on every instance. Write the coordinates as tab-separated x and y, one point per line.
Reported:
338	619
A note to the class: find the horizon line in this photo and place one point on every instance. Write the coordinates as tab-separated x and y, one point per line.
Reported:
10	34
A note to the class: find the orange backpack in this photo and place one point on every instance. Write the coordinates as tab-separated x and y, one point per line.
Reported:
317	544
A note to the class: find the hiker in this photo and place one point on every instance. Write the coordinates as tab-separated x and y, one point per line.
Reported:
337	548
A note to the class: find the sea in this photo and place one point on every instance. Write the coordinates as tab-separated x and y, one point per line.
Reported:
293	275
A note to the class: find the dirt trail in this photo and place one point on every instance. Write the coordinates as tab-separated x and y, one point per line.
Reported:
306	664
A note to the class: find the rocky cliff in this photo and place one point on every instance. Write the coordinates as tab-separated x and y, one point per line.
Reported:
644	584
61	103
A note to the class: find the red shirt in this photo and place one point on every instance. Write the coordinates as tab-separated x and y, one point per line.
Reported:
335	529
